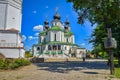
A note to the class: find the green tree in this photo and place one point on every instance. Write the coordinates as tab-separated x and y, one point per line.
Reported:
27	54
100	12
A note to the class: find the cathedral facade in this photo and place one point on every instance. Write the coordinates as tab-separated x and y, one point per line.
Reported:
55	41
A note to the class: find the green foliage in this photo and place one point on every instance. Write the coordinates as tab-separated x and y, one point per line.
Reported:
47	52
12	64
5	64
97	11
117	69
106	13
103	54
117	72
53	52
27	54
60	52
20	62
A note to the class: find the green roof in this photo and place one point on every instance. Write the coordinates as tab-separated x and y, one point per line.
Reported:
68	33
43	33
57	42
55	28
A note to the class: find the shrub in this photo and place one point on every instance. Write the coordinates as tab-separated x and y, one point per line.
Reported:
53	53
28	54
5	64
60	52
12	64
47	52
20	62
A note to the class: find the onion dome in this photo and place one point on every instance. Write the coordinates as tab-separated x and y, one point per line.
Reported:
56	16
67	22
46	22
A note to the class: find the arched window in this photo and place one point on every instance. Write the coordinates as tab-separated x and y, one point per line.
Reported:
54	47
49	47
67	39
59	47
44	40
65	48
38	48
55	37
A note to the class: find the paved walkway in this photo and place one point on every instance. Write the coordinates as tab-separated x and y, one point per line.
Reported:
73	70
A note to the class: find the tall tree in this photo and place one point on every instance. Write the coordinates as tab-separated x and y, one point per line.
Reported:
101	12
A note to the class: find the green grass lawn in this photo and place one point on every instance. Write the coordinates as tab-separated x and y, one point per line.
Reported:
117	69
117	72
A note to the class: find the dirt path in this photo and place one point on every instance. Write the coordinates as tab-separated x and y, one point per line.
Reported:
75	70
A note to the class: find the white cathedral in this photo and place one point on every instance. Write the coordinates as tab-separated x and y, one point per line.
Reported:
57	42
11	45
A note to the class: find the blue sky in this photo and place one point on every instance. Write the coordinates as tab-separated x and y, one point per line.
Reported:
34	13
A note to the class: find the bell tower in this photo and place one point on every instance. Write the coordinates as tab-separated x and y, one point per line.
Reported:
10	14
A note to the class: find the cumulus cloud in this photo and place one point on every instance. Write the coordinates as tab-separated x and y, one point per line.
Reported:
62	27
46	6
34	12
38	28
82	44
31	37
36	34
23	37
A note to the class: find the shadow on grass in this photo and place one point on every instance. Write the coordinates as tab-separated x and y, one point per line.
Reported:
65	67
91	72
117	65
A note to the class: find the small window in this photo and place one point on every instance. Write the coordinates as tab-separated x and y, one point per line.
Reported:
38	48
67	39
55	37
59	47
44	40
49	47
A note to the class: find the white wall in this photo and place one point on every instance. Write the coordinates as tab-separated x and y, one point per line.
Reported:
13	18
10	14
62	36
59	36
10	40
8	37
13	53
42	38
2	15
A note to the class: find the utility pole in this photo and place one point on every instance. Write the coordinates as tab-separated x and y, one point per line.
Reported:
111	52
110	44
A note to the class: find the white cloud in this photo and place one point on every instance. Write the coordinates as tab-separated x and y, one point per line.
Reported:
34	12
38	28
32	38
36	34
62	27
23	37
46	6
82	44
